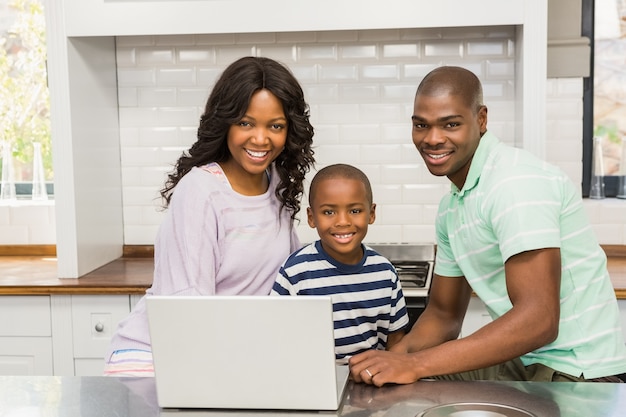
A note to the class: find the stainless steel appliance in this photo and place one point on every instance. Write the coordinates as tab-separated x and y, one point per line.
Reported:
414	264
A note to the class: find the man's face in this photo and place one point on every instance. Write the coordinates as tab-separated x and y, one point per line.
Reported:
446	133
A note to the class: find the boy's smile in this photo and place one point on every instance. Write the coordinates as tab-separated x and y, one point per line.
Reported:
341	214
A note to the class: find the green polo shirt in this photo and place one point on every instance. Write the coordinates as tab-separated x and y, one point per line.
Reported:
513	202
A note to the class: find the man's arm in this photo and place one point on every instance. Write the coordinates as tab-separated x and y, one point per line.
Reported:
533	282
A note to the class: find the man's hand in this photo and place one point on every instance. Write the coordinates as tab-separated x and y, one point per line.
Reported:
378	367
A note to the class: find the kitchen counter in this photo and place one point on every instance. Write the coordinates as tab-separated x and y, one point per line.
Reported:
125	397
31	275
35	275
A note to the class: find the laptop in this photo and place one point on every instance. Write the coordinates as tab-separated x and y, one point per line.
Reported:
245	352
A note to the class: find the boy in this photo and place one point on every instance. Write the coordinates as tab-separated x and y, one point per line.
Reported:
369	310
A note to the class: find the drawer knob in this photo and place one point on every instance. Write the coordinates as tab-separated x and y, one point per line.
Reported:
99	327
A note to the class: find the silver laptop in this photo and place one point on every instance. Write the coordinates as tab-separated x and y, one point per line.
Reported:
245	352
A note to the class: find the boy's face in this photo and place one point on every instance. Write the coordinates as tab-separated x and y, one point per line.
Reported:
341	213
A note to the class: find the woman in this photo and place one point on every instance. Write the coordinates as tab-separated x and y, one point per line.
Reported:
231	199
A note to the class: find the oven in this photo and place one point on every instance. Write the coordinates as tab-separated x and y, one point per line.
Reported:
414	264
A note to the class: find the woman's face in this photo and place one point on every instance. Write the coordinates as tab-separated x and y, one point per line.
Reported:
259	137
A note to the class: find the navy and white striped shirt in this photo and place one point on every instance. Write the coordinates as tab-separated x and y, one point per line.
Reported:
368	303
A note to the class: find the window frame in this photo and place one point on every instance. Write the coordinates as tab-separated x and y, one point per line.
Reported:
610	181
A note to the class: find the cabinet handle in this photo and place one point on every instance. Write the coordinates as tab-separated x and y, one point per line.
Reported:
99	327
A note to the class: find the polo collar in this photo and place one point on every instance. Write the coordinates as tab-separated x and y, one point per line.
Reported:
487	142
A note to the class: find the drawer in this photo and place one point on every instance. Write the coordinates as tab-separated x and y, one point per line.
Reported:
25	315
94	319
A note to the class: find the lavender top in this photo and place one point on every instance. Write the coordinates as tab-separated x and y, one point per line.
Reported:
213	241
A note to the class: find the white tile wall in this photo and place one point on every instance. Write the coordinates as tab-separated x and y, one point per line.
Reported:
360	86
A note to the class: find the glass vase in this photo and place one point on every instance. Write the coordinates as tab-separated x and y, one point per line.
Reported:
39	192
7	191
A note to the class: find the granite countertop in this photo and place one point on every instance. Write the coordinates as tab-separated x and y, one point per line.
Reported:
124	397
32	275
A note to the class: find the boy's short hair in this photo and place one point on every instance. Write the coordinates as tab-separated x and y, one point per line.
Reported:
340	171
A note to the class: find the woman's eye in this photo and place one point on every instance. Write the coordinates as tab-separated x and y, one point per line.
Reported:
244	124
278	127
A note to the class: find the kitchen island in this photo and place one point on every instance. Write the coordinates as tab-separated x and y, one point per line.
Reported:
126	397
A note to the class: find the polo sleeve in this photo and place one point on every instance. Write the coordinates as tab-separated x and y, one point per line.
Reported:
524	209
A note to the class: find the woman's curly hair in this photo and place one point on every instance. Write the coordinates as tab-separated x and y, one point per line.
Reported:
226	106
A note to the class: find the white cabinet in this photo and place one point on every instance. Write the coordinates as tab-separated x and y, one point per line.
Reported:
475	318
25	336
58	334
94	319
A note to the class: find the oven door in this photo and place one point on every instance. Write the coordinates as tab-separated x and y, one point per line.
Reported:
415	307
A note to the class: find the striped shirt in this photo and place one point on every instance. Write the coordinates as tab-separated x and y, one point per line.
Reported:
513	202
367	297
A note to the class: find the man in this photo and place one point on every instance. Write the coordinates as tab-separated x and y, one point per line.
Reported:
514	231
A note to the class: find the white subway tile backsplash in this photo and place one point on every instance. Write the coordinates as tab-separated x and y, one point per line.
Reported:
207	77
453	49
387	193
360	86
486	48
424	193
380	72
358	52
359	134
382	154
125	56
334	73
317	52
192	96
380	232
358	92
418	233
176	76
228	54
156	97
195	55
286	54
155	56
401	50
136	77
127	96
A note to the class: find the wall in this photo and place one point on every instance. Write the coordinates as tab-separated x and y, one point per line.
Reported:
360	86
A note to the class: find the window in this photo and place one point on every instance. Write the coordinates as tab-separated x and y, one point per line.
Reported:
24	98
604	22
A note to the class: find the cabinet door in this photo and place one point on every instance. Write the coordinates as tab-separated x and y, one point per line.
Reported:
94	319
25	335
25	356
475	318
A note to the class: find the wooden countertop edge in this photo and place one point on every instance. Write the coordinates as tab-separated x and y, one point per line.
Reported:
69	290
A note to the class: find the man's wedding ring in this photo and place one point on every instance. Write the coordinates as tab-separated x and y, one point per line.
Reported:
367	371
